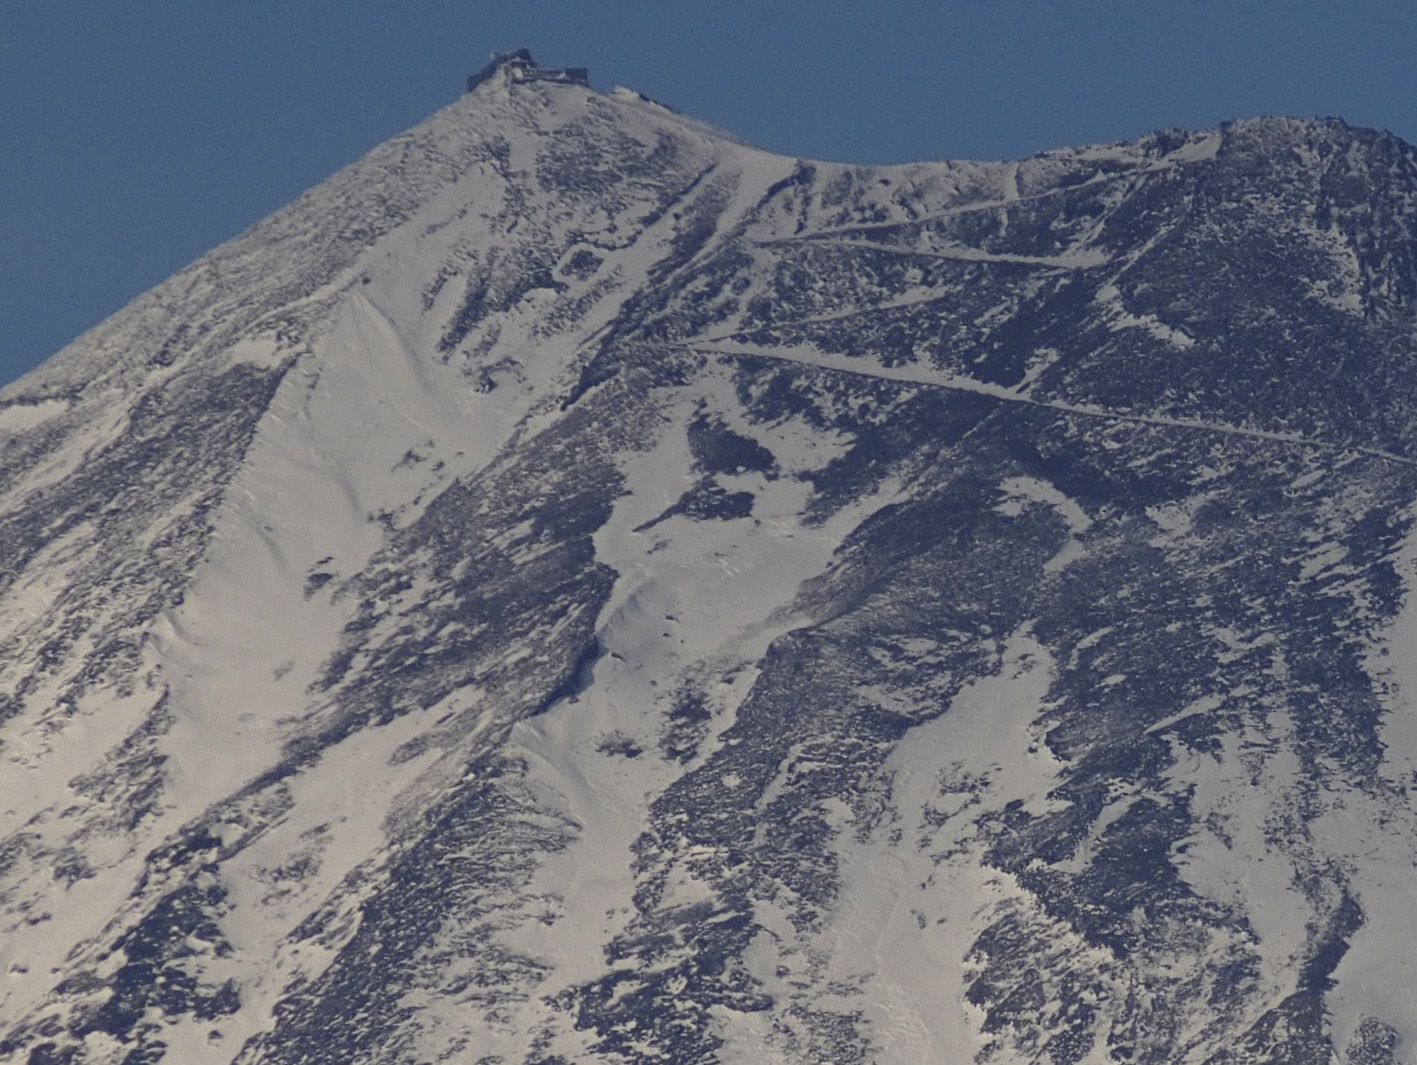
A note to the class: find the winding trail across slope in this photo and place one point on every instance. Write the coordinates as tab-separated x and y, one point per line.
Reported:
918	376
1079	260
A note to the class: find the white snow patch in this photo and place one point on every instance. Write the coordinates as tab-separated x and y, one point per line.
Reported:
17	417
1374	833
908	916
1109	299
1019	492
1200	150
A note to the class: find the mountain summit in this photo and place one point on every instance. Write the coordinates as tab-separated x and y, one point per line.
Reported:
574	588
519	66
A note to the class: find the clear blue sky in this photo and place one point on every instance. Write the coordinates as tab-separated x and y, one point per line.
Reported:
136	134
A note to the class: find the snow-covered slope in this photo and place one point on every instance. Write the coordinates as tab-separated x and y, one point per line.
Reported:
576	588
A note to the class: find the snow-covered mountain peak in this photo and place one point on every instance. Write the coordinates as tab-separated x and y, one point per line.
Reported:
575	587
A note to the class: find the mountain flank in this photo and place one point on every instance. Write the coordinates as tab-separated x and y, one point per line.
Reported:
575	588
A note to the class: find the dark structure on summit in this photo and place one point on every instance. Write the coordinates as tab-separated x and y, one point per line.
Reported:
519	66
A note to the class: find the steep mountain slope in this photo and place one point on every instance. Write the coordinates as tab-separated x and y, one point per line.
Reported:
576	588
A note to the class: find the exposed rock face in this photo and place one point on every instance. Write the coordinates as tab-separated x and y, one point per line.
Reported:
574	588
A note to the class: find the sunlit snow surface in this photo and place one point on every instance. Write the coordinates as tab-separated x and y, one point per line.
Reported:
575	588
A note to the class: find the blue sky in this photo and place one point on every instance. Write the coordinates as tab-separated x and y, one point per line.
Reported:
136	134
